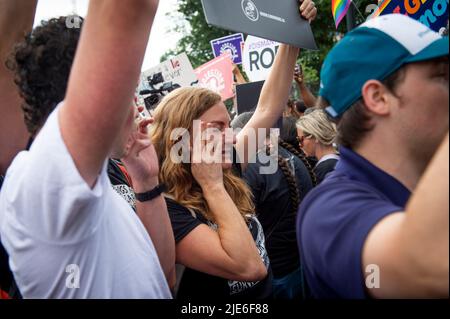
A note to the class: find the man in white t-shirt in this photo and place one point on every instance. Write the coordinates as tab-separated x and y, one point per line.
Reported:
67	232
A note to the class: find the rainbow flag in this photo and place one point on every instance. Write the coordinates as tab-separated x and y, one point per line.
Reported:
339	9
380	9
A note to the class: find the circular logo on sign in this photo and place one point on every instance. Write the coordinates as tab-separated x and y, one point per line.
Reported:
213	80
250	10
230	48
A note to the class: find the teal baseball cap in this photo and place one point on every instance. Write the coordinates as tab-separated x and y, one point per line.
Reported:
375	50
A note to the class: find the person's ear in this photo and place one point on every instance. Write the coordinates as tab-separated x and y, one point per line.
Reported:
376	97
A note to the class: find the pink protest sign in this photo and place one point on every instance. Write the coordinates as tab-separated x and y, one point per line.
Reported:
217	75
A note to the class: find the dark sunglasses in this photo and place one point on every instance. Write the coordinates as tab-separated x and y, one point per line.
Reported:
301	139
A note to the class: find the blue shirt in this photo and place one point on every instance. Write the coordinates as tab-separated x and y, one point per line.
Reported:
334	220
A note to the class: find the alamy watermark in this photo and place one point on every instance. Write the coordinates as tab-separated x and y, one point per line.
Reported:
212	145
372	276
73	22
73	277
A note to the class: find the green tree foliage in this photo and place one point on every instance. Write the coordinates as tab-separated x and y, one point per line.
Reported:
197	34
189	20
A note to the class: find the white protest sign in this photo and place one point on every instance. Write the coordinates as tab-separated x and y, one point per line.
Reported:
258	57
177	70
163	78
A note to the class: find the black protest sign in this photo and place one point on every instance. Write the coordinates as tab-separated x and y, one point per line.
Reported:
247	97
273	20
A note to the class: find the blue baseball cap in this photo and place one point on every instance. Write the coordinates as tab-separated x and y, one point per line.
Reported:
375	50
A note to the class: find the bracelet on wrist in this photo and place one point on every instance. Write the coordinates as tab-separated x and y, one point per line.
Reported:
151	194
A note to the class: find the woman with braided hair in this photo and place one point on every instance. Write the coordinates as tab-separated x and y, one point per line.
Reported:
277	197
289	141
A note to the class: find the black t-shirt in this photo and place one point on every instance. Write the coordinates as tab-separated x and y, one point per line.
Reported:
324	168
120	182
274	210
195	284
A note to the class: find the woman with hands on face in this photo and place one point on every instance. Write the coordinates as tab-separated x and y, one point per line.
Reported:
218	238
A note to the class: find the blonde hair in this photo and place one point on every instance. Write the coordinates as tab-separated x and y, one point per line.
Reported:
318	126
178	110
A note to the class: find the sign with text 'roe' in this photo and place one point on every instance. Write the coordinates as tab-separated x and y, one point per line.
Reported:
258	57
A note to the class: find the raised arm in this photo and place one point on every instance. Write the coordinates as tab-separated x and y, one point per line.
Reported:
103	79
238	75
16	19
411	249
309	99
141	162
274	94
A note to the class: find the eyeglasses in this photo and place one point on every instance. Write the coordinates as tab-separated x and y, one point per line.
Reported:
301	139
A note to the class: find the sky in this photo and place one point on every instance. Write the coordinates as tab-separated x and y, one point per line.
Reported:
161	39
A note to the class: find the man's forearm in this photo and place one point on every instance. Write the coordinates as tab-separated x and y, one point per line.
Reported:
271	104
16	19
116	71
425	232
275	92
307	96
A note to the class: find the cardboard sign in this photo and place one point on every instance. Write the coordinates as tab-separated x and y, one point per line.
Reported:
274	20
163	78
177	70
432	13
258	57
217	75
230	44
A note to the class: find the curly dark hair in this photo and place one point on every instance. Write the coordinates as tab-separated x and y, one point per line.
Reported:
42	63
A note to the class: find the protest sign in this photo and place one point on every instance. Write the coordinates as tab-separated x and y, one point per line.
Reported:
274	20
432	13
247	97
177	70
258	57
164	78
217	75
231	44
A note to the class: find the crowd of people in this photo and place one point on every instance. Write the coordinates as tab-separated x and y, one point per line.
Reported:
349	199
